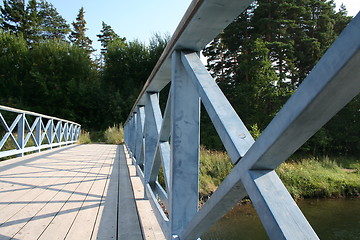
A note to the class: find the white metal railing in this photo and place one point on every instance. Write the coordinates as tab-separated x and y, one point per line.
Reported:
24	131
171	139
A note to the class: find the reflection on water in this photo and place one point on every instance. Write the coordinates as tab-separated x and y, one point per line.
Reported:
333	219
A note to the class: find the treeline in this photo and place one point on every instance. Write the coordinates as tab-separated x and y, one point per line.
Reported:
47	66
261	58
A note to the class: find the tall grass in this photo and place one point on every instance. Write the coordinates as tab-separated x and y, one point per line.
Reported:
84	138
114	135
318	178
214	167
304	177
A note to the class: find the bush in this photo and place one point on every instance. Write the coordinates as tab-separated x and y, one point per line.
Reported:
84	138
114	135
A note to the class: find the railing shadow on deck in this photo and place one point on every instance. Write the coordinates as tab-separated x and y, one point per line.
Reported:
170	139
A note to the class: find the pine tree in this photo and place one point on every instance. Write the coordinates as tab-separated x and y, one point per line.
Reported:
31	24
78	36
53	25
13	15
35	21
261	58
107	35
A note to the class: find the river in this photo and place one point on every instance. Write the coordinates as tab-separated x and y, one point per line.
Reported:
333	219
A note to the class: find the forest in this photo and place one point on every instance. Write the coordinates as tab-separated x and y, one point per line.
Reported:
49	66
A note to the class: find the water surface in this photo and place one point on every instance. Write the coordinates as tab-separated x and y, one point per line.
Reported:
333	219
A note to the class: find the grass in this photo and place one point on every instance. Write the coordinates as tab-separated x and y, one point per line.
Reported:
214	167
114	135
321	177
84	138
304	177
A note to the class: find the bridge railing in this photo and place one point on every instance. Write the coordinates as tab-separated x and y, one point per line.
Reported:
170	139
24	131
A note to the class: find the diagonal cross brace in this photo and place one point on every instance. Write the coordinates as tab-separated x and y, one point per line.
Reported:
329	87
162	154
9	131
233	133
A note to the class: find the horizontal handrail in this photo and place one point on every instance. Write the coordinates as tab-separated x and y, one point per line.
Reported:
15	110
170	139
193	33
33	132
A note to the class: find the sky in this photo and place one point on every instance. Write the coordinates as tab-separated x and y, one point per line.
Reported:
139	19
133	19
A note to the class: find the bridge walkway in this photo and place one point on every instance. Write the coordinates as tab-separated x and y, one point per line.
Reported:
75	192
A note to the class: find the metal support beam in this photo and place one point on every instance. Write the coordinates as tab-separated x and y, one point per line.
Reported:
232	131
329	87
185	140
36	131
21	134
153	119
332	83
279	214
140	134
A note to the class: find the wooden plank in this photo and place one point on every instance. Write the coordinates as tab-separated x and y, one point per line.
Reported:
18	223
106	224
129	227
63	221
88	213
33	195
148	221
42	218
71	202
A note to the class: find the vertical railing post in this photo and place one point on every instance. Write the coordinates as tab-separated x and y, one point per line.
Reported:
59	132
131	135
38	133
50	132
185	141
126	133
21	134
140	131
134	133
65	129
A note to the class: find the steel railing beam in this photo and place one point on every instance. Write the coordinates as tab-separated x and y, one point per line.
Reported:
36	131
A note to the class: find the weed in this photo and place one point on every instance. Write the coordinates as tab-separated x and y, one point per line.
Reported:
114	135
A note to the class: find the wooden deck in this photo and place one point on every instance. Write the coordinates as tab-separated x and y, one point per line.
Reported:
76	192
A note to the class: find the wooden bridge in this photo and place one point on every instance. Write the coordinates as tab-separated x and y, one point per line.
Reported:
96	192
74	192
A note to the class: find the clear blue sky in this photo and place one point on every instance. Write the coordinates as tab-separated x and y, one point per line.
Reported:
133	19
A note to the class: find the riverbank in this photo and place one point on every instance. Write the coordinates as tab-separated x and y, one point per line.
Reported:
304	177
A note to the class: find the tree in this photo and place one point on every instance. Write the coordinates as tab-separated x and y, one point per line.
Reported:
78	36
126	69
31	24
35	22
53	25
107	35
13	15
262	57
13	59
